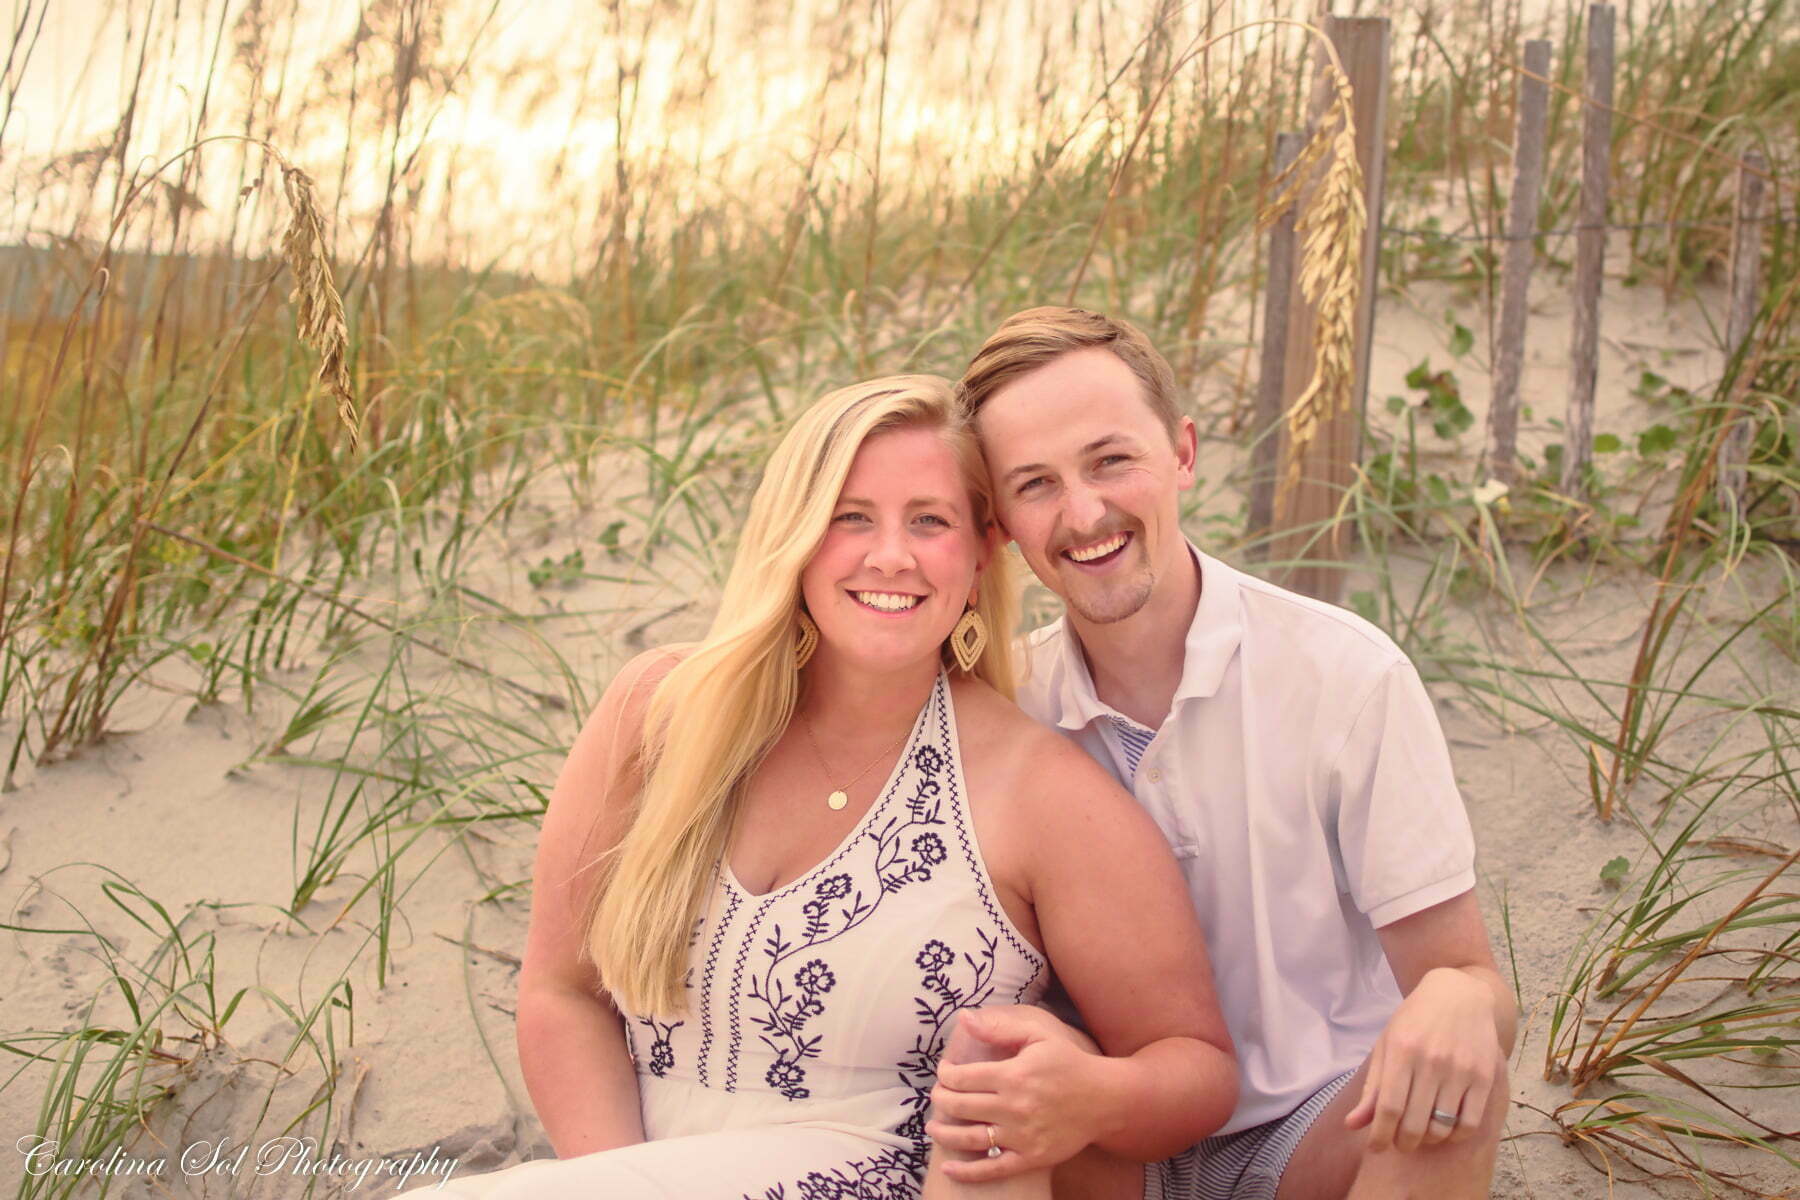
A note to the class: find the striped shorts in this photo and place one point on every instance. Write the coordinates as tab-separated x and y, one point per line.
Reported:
1245	1165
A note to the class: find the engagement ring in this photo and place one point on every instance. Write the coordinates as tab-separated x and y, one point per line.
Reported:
994	1150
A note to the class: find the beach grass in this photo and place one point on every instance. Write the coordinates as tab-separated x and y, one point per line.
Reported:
336	461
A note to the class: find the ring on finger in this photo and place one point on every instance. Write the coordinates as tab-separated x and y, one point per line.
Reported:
993	1150
1443	1118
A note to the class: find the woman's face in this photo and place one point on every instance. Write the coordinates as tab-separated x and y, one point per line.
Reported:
900	557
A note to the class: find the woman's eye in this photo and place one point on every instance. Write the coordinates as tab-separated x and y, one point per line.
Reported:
849	517
1029	484
934	519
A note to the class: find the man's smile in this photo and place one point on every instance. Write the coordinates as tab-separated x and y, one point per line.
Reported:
1098	553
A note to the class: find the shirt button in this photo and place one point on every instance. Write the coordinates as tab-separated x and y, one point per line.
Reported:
1153	775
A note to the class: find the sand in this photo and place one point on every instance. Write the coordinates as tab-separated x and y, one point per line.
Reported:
182	801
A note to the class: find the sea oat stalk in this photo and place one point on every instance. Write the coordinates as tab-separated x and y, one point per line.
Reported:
1332	219
1331	224
321	311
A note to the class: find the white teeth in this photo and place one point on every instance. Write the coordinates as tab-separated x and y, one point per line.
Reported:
887	601
1100	550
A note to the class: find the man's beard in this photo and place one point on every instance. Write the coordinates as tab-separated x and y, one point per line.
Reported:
1108	604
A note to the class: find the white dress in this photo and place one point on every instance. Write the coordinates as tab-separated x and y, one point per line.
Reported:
803	1066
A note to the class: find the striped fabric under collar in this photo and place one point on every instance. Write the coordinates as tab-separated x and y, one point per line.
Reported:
1133	740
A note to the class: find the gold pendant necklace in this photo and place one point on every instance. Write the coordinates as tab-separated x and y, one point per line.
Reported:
840	796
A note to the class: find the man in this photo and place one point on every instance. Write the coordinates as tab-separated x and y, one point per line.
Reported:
1294	761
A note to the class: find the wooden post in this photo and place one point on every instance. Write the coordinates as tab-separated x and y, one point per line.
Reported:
1746	280
1265	449
1362	42
1515	266
1590	248
1306	516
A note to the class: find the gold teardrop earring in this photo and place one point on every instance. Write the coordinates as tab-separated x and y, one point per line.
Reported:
806	640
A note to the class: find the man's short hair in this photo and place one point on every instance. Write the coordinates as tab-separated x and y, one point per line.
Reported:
1035	337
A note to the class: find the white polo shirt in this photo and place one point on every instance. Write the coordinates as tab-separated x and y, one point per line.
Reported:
1303	781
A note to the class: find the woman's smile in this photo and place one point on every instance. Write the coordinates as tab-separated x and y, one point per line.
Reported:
891	604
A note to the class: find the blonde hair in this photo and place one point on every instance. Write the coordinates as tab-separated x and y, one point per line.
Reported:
714	717
1036	337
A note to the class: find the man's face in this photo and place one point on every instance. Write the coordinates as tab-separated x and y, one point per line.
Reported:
1087	481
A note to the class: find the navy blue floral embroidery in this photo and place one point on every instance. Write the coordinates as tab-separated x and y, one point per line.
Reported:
889	1175
930	848
786	1077
662	1054
897	1174
787	1010
942	998
935	956
785	971
784	1003
815	976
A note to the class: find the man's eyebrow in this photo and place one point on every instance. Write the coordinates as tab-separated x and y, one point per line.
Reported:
1091	447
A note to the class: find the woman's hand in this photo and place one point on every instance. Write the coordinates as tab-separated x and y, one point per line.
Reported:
1026	1075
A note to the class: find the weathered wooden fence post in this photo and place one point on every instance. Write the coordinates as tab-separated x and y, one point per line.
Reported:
1306	516
1265	449
1746	279
1515	266
1362	42
1590	249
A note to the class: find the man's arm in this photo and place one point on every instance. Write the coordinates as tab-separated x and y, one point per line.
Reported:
1450	936
1405	841
1449	1039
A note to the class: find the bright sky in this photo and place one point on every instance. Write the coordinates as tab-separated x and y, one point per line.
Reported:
518	159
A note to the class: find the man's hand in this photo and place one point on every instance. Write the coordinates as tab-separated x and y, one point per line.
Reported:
1441	1051
1039	1096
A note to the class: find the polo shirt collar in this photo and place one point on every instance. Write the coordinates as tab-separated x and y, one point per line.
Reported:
1217	631
1212	642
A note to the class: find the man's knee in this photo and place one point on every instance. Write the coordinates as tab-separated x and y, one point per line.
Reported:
1459	1166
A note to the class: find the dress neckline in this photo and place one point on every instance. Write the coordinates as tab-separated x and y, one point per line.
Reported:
729	875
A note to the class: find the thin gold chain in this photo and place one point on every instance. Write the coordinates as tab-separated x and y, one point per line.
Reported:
825	768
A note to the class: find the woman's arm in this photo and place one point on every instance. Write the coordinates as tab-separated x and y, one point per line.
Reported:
572	1045
1119	928
581	1078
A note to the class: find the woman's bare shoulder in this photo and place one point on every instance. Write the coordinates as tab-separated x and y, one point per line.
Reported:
999	735
628	695
650	667
604	751
1038	800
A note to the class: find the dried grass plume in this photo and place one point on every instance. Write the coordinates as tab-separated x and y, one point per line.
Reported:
1331	224
321	310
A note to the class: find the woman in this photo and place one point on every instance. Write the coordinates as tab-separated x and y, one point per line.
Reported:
777	864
